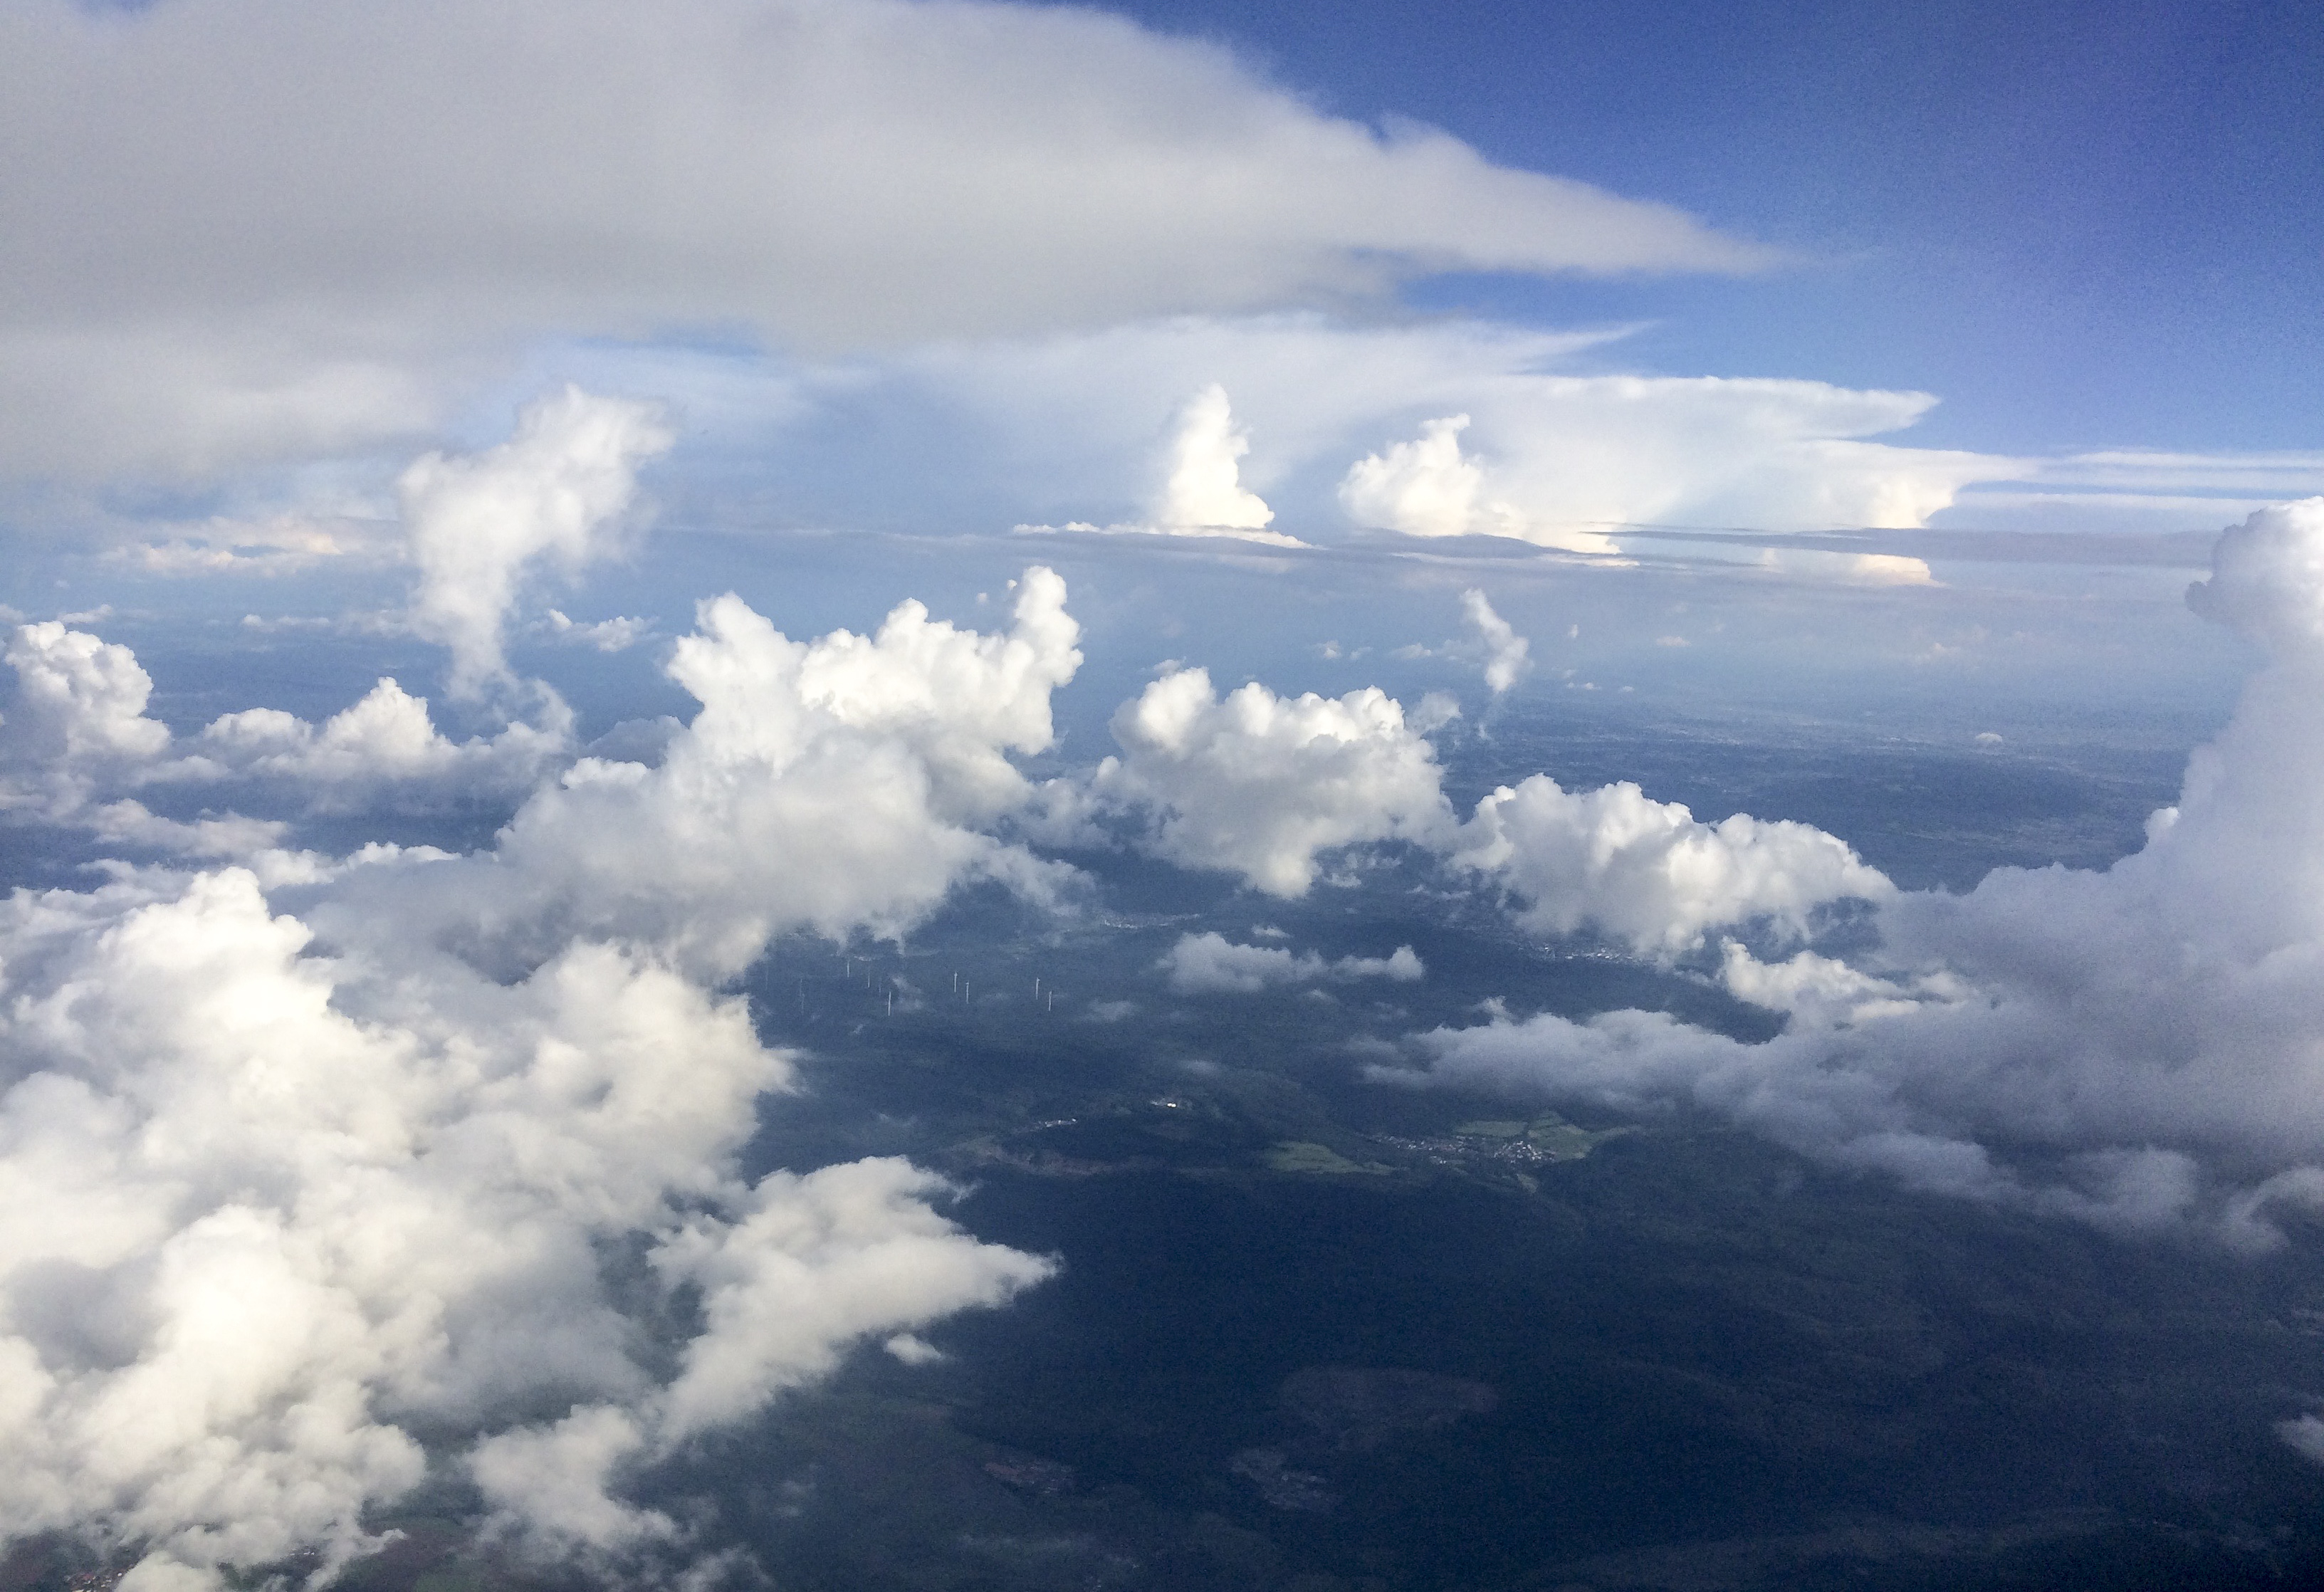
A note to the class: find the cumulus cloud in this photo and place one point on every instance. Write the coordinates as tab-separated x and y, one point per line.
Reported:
1422	488
1204	487
78	731
1211	964
257	1242
1270	787
1576	457
844	783
78	716
82	699
1548	454
1506	652
1647	872
1824	988
1264	786
554	490
282	226
383	742
1428	487
1201	492
279	1221
2135	1046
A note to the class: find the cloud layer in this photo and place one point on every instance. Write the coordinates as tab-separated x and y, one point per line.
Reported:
2136	1047
266	227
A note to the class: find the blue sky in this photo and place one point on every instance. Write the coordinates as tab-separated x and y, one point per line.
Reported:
2084	226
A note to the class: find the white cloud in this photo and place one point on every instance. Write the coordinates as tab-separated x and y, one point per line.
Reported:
1077	414
913	1350
128	822
79	732
1201	492
555	491
1506	652
1578	456
1211	964
829	784
1548	454
618	634
866	770
815	1264
79	717
250	1234
270	1212
1203	489
1268	786
1264	786
2267	582
84	699
1432	711
1856	569
1824	988
1422	488
381	742
556	1481
1062	429
276	544
245	229
2136	1047
1428	487
2140	491
103	389
1646	871
2150	471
